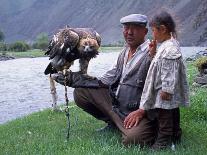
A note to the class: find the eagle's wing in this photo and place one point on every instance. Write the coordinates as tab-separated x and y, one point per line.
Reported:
64	41
70	44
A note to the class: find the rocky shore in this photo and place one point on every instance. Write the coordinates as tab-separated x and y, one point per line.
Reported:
6	57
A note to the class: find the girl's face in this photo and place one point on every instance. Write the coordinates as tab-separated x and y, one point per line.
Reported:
160	34
157	35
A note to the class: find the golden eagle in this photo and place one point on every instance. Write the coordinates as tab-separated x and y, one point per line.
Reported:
70	44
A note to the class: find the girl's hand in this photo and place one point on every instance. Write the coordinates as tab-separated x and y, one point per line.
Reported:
165	96
152	48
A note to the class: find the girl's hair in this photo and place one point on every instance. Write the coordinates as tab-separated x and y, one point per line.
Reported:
164	18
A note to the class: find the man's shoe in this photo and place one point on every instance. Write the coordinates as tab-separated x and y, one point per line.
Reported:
109	127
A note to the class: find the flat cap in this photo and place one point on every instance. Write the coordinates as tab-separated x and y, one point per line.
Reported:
135	19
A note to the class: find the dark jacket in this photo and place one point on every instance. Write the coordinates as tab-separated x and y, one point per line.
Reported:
130	89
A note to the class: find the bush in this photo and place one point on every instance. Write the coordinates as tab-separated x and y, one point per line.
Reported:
19	46
200	62
41	41
1	36
3	46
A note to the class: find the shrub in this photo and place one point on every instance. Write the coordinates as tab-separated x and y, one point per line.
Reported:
200	62
41	41
3	46
1	36
19	46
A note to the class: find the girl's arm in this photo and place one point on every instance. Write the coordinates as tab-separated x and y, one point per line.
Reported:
169	74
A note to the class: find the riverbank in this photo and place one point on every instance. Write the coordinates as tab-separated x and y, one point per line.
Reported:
7	55
23	79
27	54
25	88
44	132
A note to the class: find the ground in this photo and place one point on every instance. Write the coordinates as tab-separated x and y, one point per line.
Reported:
45	132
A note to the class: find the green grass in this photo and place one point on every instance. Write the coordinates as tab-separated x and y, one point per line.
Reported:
27	54
111	49
45	132
39	53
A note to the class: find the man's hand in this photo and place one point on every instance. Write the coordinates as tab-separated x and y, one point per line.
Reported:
133	118
60	78
152	48
165	96
78	80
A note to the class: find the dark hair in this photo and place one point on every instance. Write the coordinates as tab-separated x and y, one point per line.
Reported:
164	18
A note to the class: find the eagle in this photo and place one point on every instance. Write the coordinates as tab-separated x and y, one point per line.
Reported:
70	44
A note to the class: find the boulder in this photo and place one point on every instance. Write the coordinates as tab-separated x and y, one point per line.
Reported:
205	71
6	57
201	79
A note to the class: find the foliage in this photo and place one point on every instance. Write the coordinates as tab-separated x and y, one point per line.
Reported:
3	46
2	37
119	43
200	62
19	46
4	53
110	49
40	53
41	42
28	54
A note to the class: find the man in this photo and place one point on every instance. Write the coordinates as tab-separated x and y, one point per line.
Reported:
114	97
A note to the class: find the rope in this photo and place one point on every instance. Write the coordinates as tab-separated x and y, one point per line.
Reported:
67	114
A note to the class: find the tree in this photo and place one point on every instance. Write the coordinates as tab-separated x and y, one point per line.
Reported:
1	36
3	46
19	46
41	41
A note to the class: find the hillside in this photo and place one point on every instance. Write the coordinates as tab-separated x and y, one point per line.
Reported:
25	19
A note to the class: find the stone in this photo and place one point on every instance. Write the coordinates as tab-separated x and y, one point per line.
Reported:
196	85
201	79
5	57
204	86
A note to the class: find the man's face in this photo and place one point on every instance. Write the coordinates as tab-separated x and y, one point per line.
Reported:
134	34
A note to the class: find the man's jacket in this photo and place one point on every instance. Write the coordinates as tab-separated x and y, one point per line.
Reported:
130	87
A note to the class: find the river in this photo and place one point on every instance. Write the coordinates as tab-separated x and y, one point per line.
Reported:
25	89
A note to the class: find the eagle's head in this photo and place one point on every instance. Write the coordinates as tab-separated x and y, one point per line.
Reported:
88	46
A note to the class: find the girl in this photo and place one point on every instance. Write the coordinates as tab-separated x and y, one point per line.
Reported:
166	85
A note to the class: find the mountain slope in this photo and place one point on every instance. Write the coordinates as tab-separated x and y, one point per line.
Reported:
25	19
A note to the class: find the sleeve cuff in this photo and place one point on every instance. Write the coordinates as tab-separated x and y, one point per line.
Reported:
168	90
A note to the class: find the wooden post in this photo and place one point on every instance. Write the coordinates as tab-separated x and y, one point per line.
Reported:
53	93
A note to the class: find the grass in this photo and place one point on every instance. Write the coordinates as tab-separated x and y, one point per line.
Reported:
111	49
45	132
39	53
27	54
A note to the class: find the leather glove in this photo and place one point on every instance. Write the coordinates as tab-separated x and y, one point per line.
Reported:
78	80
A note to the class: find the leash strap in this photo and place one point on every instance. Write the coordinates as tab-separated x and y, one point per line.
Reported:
67	114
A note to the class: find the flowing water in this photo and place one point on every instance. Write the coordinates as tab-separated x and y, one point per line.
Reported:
25	89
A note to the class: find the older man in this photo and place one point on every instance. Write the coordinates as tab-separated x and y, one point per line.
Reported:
114	97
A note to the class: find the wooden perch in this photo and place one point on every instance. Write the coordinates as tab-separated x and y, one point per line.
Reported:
53	93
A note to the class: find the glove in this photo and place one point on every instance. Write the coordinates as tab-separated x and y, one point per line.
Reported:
78	80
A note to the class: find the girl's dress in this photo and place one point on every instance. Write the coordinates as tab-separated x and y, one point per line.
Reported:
167	73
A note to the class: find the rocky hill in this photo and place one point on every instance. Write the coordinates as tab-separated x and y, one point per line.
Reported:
25	19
